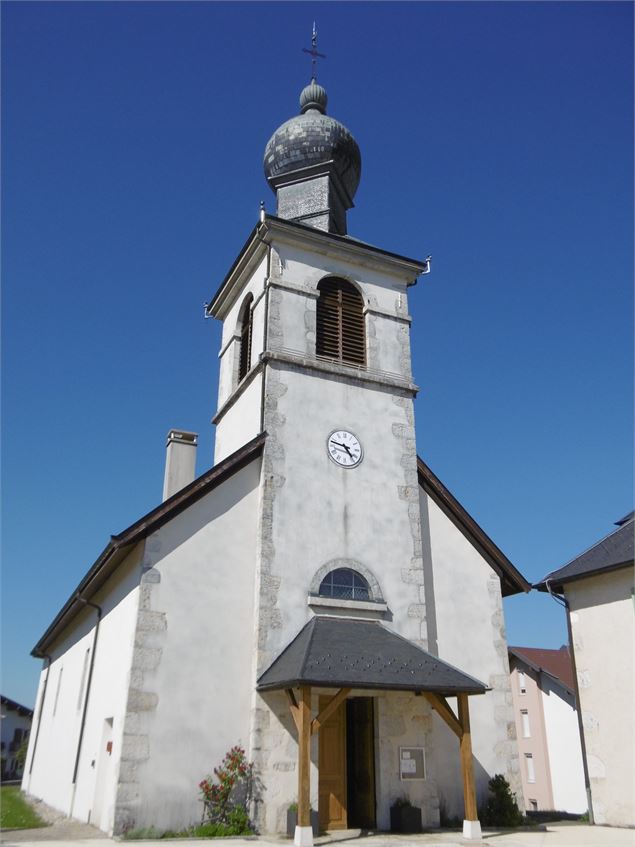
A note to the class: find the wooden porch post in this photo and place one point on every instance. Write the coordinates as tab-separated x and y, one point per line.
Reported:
471	825
303	831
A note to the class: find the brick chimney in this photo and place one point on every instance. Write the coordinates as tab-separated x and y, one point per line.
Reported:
180	461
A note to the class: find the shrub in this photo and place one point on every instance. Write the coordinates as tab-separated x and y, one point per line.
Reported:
501	808
446	820
142	833
225	801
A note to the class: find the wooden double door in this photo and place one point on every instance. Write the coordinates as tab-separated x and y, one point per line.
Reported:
346	764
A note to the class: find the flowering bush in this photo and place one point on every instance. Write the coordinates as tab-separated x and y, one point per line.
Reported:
225	801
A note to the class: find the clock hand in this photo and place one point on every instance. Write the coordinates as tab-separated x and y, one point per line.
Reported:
342	446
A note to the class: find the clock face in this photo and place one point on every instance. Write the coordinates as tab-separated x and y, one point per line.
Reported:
344	448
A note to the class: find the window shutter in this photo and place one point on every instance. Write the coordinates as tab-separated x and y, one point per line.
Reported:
245	340
340	322
353	342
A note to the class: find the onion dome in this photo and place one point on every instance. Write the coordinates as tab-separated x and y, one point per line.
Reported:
313	97
313	138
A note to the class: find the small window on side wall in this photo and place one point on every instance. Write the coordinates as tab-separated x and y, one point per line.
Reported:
246	326
340	333
345	584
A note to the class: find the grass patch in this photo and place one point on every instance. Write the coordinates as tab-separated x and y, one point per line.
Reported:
15	812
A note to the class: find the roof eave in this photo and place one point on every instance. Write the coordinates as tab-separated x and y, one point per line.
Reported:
408	266
557	582
246	257
361	686
270	225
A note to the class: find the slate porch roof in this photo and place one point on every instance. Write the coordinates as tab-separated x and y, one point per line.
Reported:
614	551
346	653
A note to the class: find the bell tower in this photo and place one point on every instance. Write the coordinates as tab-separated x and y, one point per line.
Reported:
316	353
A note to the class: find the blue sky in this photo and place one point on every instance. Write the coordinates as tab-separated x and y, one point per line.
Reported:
495	136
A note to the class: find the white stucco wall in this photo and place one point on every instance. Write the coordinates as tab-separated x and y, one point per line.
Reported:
230	341
603	638
49	774
563	744
466	628
191	683
241	422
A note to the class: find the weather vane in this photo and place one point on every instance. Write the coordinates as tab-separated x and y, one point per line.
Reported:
313	53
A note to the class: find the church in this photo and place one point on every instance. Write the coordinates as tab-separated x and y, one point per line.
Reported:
318	596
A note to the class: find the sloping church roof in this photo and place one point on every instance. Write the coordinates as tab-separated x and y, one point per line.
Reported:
512	581
120	545
350	653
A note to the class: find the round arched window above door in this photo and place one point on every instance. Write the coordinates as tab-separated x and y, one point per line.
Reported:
345	584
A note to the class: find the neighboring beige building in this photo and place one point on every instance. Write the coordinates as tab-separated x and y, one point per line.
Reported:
549	746
597	589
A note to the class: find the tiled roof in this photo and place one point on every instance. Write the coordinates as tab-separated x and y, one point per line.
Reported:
346	653
12	706
554	662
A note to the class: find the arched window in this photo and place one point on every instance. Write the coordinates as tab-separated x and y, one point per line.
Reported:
340	322
344	584
246	324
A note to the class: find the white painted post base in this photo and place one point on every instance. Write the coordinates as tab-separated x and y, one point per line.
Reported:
472	830
303	836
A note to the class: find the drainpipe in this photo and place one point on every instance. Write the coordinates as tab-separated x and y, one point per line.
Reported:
87	696
560	598
39	719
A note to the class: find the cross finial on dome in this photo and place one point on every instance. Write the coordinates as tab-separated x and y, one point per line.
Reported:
313	53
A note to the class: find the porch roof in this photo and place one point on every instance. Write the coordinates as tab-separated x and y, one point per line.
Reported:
347	653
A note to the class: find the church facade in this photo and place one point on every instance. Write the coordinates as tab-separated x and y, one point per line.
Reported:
319	571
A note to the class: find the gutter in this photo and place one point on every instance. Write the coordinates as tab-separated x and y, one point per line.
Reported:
562	600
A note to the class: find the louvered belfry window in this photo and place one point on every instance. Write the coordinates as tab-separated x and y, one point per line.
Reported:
340	322
246	324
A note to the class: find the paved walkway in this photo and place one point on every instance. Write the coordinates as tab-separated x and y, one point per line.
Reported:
555	835
61	829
